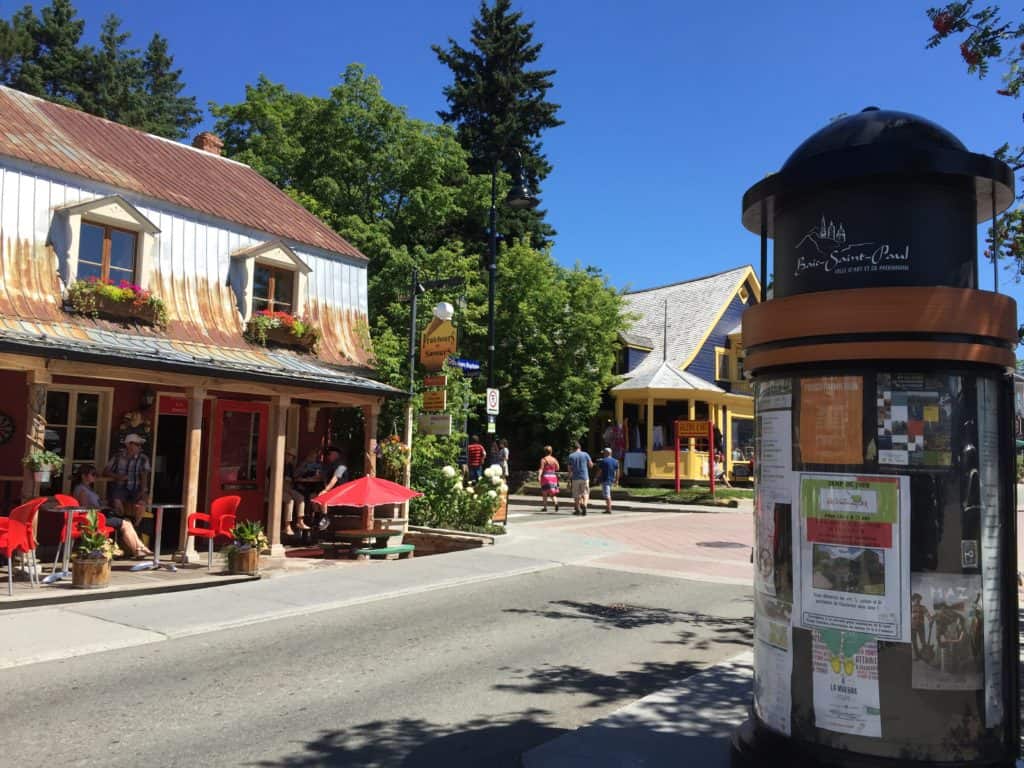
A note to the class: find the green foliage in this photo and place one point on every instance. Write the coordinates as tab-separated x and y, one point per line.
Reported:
38	458
986	37
45	56
84	297
260	325
446	503
246	535
499	105
94	544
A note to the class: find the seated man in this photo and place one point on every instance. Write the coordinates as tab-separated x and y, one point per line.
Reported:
129	468
335	473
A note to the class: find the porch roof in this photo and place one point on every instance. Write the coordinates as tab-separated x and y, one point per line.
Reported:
666	376
98	345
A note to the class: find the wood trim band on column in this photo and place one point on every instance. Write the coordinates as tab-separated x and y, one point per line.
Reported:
936	323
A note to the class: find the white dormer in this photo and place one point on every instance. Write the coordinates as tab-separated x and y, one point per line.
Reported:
268	276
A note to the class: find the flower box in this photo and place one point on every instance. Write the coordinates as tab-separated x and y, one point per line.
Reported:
244	561
125	311
280	329
283	337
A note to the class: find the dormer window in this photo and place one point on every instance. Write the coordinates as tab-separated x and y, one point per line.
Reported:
273	289
268	277
107	253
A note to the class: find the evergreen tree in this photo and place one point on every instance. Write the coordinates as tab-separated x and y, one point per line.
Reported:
44	56
499	107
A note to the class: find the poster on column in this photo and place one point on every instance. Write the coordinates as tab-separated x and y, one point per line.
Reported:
854	569
991	549
774	452
845	687
945	632
832	420
773	663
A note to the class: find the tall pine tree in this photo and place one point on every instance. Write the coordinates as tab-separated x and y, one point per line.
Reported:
44	56
499	106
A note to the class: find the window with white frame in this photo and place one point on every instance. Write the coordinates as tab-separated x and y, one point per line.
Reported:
110	240
77	429
107	253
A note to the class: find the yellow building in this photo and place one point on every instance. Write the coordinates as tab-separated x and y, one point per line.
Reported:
682	359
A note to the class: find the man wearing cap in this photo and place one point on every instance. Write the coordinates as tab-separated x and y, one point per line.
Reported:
129	468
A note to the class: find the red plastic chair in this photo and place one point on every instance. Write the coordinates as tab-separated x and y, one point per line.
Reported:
25	515
219	522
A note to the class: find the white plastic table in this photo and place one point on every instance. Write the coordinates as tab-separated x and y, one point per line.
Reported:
158	523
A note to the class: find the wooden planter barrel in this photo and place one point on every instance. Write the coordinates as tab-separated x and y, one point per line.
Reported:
90	573
244	561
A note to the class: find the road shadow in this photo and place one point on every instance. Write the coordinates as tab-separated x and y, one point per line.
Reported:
417	743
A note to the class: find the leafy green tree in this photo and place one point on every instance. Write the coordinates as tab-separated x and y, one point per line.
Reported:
399	189
985	38
45	56
499	107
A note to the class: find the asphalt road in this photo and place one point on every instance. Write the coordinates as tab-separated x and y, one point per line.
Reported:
467	676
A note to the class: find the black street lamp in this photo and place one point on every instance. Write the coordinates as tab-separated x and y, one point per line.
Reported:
519	198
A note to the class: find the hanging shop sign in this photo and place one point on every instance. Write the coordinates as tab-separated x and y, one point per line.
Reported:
688	429
435	424
438	340
434	400
435	381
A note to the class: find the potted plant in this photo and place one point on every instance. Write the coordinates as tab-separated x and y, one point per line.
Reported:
90	567
281	329
123	303
43	463
248	540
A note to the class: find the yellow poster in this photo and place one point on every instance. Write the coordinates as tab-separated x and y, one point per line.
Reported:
832	420
437	343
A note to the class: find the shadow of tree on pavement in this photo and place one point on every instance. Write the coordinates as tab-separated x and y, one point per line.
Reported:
416	743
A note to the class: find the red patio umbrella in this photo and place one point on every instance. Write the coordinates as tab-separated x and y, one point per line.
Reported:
366	492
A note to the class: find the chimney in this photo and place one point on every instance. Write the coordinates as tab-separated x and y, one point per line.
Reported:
208	142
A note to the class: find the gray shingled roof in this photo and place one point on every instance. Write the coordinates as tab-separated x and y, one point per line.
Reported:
666	376
693	306
635	340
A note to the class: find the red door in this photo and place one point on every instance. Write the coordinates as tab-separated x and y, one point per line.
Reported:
239	456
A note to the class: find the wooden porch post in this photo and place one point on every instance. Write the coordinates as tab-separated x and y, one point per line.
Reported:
618	411
692	465
193	451
650	436
371	413
38	382
275	503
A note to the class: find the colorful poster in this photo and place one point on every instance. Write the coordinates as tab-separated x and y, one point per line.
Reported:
915	420
845	685
774	503
832	420
946	631
854	572
773	663
991	552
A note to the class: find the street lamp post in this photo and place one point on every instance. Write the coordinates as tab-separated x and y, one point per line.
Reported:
519	198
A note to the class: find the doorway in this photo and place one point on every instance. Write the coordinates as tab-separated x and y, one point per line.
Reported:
169	447
238	465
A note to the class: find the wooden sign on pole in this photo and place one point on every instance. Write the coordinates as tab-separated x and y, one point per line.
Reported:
435	381
688	429
434	400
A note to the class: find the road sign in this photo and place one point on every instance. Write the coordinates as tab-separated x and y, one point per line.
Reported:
468	367
687	429
435	381
434	400
435	423
492	401
491	426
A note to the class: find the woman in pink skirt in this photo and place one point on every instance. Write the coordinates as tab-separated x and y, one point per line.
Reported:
547	476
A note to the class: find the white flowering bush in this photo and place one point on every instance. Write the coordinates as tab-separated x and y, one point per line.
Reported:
447	503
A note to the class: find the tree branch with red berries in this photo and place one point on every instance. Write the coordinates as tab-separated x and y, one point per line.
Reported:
986	38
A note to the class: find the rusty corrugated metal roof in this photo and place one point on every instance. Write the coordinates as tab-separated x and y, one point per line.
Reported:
39	131
99	344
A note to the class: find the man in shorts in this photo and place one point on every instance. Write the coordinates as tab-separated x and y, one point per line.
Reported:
129	469
580	465
609	469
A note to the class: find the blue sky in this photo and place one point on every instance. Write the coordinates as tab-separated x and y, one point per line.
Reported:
672	109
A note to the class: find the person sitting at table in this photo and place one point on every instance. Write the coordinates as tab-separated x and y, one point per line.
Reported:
294	500
87	497
130	470
335	473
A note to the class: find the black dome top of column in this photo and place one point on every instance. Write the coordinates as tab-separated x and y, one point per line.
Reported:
878	143
873	126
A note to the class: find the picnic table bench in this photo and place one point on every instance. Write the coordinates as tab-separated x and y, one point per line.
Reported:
402	550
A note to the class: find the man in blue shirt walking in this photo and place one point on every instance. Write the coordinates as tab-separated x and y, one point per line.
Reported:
580	464
609	469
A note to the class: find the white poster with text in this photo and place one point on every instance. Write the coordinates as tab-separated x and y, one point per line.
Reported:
845	687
